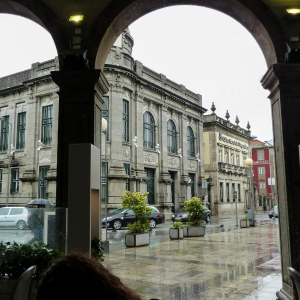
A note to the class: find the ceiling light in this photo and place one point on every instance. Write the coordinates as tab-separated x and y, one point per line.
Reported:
293	11
76	18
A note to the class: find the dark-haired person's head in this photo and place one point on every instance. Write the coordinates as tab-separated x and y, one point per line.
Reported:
76	276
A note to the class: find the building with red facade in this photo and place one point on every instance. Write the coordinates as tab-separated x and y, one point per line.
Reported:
264	175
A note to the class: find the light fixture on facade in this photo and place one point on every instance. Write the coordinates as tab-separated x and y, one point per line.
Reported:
76	18
179	153
40	145
134	140
157	148
293	11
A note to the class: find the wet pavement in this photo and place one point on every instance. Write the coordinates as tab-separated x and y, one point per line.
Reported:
229	262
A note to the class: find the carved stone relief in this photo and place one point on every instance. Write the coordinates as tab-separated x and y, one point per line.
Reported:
173	162
192	165
126	154
150	159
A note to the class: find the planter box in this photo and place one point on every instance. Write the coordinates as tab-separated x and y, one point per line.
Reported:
7	287
244	223
137	239
175	233
189	231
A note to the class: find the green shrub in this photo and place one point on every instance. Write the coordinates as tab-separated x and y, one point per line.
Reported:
97	249
195	209
246	218
137	202
16	258
177	225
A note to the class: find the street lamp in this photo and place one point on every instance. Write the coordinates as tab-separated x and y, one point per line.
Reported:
249	163
3	119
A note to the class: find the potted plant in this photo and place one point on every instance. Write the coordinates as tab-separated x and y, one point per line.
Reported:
245	222
176	231
16	258
139	230
195	209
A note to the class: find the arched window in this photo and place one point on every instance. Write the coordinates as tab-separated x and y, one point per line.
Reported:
149	130
190	142
172	142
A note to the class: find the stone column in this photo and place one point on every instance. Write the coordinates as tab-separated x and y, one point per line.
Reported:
80	103
283	81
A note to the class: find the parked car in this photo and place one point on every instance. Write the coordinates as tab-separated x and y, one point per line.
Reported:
14	217
273	212
182	215
120	217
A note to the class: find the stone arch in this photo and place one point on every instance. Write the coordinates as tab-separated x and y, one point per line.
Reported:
254	16
41	14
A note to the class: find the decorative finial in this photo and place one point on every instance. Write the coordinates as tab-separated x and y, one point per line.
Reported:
248	126
227	116
213	108
237	121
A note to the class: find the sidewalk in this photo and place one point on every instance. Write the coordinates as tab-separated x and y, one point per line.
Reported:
227	263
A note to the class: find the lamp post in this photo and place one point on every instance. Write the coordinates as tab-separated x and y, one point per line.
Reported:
104	127
249	163
9	150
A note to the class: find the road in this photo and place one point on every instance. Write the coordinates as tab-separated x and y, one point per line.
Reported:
217	223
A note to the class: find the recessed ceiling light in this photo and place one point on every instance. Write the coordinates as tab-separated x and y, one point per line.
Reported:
293	11
76	18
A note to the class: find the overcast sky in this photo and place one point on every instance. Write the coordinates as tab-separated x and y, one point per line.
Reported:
205	50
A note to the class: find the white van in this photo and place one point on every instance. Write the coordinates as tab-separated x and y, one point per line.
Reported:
14	217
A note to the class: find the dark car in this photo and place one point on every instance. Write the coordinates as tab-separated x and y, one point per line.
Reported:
182	215
120	217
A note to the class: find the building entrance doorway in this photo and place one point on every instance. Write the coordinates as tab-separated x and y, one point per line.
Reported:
150	185
172	174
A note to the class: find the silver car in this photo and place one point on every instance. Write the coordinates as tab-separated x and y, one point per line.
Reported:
273	212
14	217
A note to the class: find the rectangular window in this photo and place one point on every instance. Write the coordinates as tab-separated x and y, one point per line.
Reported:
21	130
227	192
0	181
125	134
104	182
262	185
47	125
226	157
127	183
4	133
14	187
105	112
261	170
220	156
260	155
239	192
43	181
221	191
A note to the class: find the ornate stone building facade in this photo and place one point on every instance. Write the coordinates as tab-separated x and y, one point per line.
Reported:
153	141
226	147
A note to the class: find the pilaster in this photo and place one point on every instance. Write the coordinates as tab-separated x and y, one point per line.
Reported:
283	81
